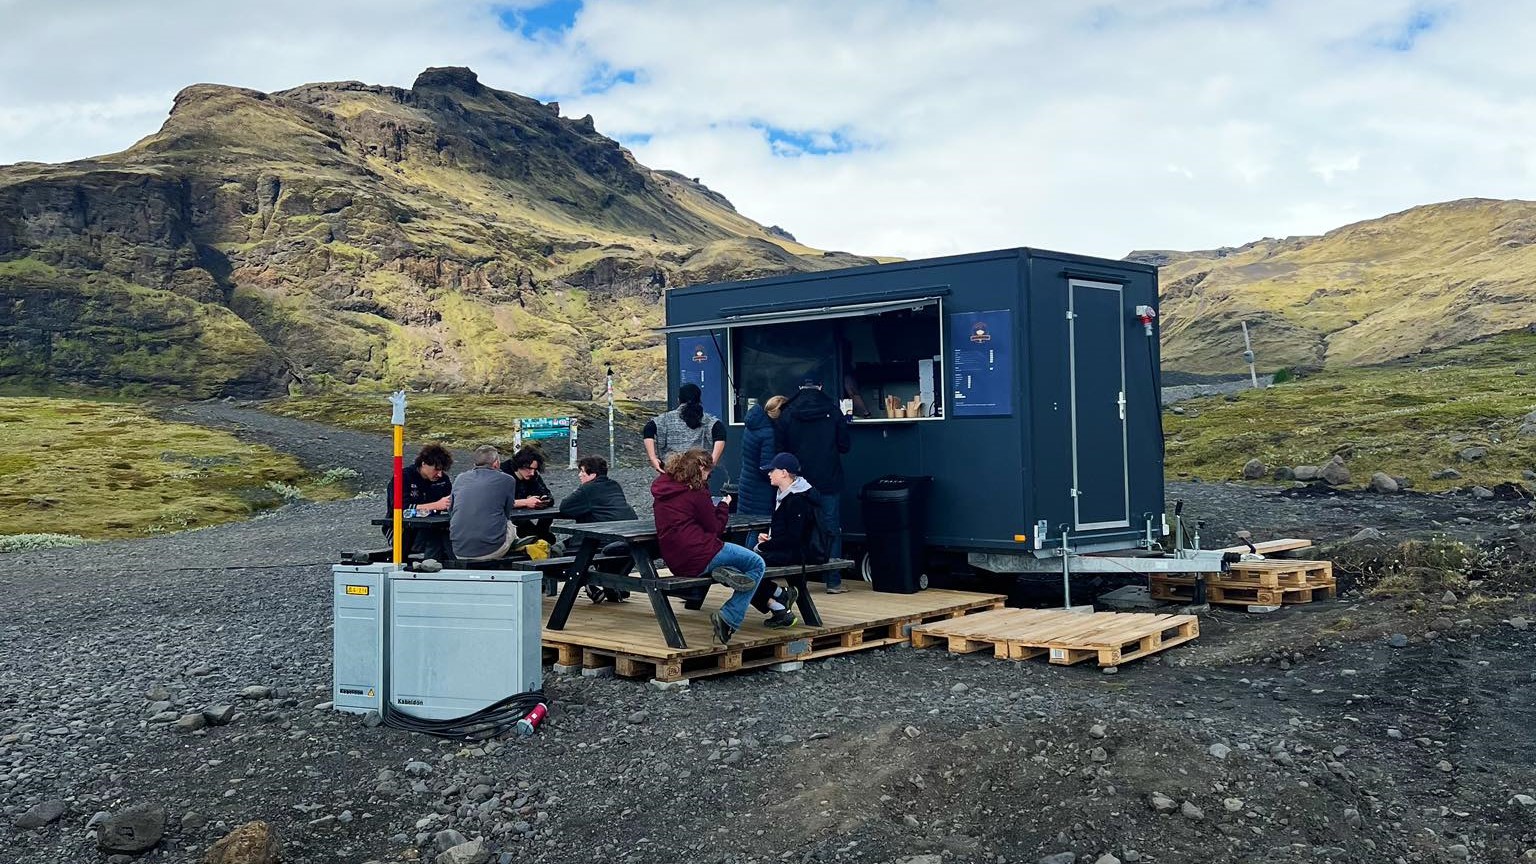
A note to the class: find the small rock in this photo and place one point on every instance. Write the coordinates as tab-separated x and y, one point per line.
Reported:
1107	858
1398	640
1457	850
1524	800
193	821
1099	754
639	717
1305	473
134	830
256	691
1110	670
1446	474
1232	805
190	723
1472	454
1162	803
1253	469
444	840
1365	535
1190	811
911	732
1519	623
921	859
1335	473
1058	858
1283	474
960	687
1383	483
1395	734
1448	598
1097	730
42	814
473	852
418	769
1218	751
909	820
1444	766
251	843
157	693
219	715
1482	493
373	719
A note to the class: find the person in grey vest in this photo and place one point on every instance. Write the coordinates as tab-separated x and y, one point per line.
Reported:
686	427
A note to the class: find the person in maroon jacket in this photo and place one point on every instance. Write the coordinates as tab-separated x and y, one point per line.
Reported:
688	528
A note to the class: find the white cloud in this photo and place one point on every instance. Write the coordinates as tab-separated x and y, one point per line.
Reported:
952	125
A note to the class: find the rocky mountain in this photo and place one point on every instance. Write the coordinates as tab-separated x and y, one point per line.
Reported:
1427	278
447	237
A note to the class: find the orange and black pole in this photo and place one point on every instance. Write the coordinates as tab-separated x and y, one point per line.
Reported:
397	506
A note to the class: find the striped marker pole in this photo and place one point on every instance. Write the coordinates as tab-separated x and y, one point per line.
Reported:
397	419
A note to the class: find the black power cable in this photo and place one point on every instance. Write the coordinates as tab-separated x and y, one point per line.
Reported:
489	722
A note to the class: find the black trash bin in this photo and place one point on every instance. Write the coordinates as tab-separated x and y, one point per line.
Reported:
895	512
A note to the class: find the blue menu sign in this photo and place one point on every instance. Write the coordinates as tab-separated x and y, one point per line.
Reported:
982	349
698	361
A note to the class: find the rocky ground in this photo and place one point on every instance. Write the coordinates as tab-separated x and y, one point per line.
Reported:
187	675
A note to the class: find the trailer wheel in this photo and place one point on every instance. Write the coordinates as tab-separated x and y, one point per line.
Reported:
863	571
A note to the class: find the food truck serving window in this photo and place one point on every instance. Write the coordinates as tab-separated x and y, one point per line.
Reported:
882	361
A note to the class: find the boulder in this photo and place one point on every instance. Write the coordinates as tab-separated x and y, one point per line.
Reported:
251	843
1254	470
135	830
1305	473
1472	454
1284	473
1383	483
1334	473
1482	493
473	852
1446	474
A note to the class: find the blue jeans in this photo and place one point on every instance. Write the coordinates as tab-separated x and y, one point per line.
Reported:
738	558
830	514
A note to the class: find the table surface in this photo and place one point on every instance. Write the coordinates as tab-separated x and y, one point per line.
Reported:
442	518
645	529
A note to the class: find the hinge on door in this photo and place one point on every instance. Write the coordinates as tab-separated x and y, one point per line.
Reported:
1071	493
1070	316
1121	401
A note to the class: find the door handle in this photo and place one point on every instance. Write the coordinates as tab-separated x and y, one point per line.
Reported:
1121	402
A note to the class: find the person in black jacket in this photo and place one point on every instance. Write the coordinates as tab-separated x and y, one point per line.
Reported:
428	489
532	492
794	537
813	429
598	498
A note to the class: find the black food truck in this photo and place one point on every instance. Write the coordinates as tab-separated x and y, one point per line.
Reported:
1024	383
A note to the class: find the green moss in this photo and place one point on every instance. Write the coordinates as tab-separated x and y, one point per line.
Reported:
1407	421
109	469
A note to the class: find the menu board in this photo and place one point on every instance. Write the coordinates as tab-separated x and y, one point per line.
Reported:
982	349
698	361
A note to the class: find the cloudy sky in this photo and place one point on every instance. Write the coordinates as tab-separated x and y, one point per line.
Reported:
898	127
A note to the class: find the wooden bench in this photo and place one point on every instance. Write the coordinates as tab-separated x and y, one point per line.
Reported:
557	570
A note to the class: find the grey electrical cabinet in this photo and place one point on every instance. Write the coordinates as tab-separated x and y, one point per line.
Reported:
358	636
460	640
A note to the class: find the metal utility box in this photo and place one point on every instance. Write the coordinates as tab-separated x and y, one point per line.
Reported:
460	640
1025	382
358	636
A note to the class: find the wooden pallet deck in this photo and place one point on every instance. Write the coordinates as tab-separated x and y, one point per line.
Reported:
624	636
1182	590
1277	574
1065	637
1268	547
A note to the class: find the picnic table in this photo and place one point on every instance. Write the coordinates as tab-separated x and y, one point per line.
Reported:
639	535
438	519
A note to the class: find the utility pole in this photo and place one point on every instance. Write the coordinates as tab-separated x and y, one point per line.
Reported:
612	463
1253	373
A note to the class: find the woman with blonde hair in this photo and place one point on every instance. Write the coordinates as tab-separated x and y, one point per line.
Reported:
688	528
757	450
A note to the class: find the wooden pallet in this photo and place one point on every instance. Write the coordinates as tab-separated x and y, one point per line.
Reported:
624	636
1276	574
1182	590
1065	637
1268	547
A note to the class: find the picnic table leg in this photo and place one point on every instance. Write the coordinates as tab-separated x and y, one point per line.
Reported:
806	605
665	617
577	579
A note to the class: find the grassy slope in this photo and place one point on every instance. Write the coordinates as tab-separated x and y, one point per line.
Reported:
458	421
1424	279
1406	420
109	470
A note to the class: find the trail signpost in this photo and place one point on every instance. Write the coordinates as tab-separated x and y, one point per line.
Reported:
542	428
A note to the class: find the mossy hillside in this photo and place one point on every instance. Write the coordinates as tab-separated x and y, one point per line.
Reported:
108	469
460	421
1424	279
1407	420
350	227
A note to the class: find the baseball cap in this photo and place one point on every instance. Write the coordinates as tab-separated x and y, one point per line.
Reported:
786	461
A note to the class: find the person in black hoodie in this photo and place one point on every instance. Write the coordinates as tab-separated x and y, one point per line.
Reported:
532	492
793	538
813	429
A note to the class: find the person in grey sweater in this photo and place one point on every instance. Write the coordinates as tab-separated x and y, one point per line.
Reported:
484	501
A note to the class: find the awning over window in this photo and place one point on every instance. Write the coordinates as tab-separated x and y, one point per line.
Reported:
790	316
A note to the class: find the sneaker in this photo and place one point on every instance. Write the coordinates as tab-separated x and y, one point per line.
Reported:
781	619
723	630
837	589
733	579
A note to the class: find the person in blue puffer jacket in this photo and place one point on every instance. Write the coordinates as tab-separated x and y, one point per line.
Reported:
756	493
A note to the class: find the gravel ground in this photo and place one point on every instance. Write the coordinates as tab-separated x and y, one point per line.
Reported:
1307	735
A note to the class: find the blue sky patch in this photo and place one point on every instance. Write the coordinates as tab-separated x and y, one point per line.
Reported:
603	78
805	142
1407	34
555	16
